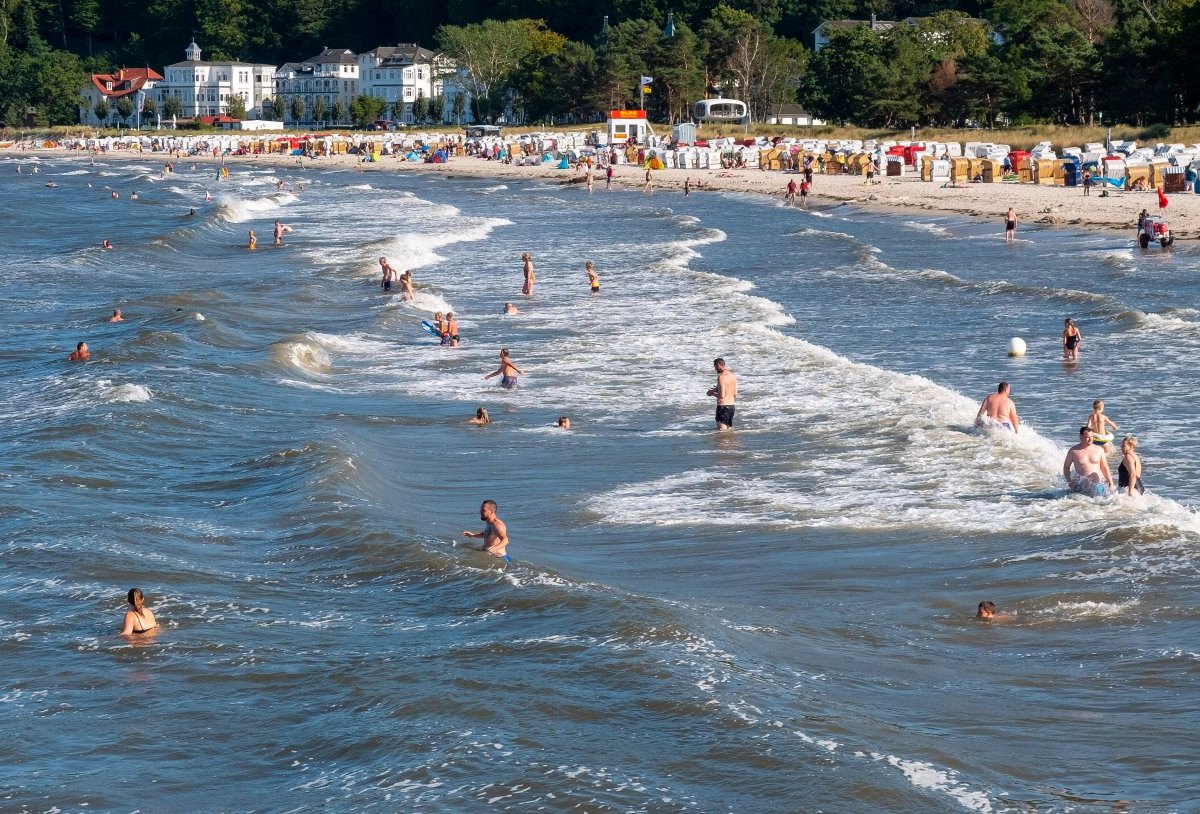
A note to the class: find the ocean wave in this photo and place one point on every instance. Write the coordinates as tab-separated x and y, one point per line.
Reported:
124	393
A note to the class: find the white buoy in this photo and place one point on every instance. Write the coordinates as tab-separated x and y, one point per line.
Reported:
1016	346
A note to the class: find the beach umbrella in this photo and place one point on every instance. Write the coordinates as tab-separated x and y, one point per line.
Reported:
1162	199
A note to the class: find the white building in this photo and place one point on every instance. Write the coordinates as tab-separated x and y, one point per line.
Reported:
204	88
133	83
331	75
399	75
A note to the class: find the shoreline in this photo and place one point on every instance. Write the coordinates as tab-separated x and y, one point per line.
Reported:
1034	203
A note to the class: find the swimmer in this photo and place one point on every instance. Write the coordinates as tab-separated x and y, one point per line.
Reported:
494	534
133	196
530	277
52	185
1085	468
999	407
140	619
563	422
116	317
1071	339
1129	473
452	329
509	308
481	417
105	244
593	277
986	610
80	354
1097	421
191	213
280	231
115	195
253	241
726	394
507	371
389	274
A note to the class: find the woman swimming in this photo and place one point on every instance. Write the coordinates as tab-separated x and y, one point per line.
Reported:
140	619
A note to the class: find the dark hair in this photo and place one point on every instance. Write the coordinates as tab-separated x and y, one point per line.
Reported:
1000	388
491	503
1084	429
719	361
985	607
79	346
135	597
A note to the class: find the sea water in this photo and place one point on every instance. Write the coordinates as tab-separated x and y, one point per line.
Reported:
773	619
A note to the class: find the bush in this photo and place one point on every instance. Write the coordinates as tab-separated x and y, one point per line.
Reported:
1153	131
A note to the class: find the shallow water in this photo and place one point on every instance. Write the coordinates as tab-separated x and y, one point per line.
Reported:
775	619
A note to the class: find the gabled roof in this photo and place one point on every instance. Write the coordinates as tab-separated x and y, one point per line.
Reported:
789	110
406	53
874	25
125	81
334	56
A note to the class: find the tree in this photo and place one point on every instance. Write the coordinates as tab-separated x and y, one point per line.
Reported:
459	107
319	109
366	109
149	108
279	109
437	109
339	112
101	110
490	54
420	108
843	77
172	107
297	109
125	108
235	106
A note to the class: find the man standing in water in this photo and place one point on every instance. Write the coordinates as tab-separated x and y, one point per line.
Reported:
726	393
280	231
1086	465
80	354
999	407
494	534
389	274
1010	224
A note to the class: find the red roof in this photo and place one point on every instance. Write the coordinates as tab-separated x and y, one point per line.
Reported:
215	120
124	81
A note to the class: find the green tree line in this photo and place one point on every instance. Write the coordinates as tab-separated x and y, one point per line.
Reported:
982	62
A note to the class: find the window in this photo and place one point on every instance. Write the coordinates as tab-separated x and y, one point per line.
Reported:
420	73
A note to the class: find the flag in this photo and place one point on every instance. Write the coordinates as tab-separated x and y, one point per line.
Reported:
645	88
1162	199
646	80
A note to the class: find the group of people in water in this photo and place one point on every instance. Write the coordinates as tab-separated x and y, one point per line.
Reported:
1085	467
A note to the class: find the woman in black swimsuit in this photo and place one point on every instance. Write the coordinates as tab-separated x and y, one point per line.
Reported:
1071	339
140	619
1129	473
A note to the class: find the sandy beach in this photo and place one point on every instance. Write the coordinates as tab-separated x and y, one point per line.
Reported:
1045	205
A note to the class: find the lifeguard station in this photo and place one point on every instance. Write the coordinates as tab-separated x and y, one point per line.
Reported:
624	125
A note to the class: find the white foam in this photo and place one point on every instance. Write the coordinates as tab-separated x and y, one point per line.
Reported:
944	781
124	393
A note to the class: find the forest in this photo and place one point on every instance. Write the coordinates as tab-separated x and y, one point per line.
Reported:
974	64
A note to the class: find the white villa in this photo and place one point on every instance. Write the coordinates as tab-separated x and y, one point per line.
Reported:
204	88
134	83
331	75
401	74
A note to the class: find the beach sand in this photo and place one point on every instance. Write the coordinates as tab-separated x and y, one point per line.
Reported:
1046	205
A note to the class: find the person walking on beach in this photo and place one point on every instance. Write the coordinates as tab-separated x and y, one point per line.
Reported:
792	189
494	534
1010	225
389	274
1071	339
507	371
593	277
999	407
649	179
80	354
1086	466
804	187
1129	472
726	394
139	619
608	174
530	276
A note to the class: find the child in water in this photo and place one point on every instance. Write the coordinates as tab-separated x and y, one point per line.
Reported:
253	241
1097	421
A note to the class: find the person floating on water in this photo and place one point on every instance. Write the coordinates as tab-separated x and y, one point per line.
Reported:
494	534
986	610
389	274
1097	421
509	308
116	316
726	394
481	417
1071	338
1086	468
105	244
530	276
507	371
593	277
999	407
140	619
80	354
1129	472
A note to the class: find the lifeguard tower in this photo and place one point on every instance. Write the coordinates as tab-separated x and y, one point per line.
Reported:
624	125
